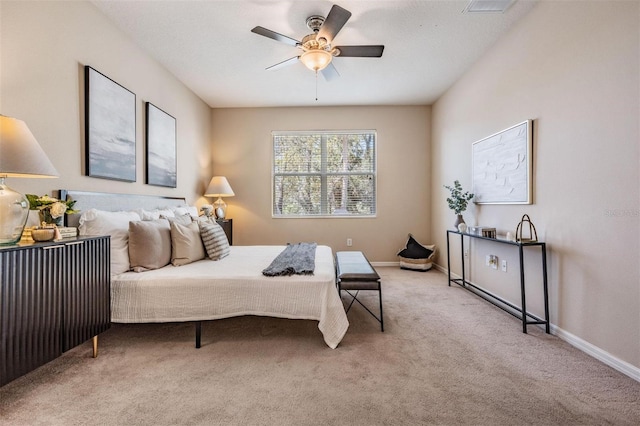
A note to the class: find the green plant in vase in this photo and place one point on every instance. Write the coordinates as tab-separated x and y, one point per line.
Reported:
458	201
51	210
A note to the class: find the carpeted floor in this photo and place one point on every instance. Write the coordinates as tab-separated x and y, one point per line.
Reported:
446	358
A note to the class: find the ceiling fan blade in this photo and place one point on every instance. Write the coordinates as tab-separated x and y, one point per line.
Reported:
283	64
330	72
334	22
274	35
371	51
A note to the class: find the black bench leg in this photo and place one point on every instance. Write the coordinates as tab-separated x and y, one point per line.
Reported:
381	315
198	333
354	298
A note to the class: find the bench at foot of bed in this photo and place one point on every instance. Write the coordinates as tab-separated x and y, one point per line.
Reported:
355	273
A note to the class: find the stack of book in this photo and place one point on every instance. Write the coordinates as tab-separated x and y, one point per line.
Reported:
26	236
489	232
483	231
68	232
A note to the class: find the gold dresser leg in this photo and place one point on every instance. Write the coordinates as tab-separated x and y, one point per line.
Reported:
95	346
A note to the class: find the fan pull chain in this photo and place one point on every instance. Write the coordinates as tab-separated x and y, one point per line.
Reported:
316	85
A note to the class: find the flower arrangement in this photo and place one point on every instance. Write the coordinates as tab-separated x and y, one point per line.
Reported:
51	209
458	200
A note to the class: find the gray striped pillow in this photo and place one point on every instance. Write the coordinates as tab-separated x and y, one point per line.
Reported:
214	240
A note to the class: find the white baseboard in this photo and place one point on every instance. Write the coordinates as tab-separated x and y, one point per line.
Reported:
575	341
599	354
443	270
586	347
385	264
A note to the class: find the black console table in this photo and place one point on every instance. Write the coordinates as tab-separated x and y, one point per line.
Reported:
519	312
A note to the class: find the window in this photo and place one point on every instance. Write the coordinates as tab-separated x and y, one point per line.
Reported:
328	173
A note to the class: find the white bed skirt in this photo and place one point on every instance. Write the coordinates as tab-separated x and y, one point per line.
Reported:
233	286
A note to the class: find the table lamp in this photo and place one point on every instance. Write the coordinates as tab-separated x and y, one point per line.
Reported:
219	187
20	156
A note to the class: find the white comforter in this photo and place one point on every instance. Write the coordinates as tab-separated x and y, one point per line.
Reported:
233	286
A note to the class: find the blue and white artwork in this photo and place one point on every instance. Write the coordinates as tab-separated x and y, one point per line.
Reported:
110	113
161	147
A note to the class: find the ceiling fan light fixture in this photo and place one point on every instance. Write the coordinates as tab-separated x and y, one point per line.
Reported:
317	50
316	59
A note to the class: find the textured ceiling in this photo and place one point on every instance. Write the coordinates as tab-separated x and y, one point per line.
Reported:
209	46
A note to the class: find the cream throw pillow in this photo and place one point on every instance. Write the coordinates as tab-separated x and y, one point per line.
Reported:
149	244
215	240
186	244
183	219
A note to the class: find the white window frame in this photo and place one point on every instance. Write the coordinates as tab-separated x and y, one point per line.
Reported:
324	174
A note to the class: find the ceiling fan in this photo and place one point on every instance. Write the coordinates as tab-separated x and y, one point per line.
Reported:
317	50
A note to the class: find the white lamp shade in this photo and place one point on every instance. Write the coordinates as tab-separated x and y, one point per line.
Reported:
20	156
219	187
20	153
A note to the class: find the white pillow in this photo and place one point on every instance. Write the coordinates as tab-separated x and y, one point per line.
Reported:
148	214
193	211
182	210
165	212
115	224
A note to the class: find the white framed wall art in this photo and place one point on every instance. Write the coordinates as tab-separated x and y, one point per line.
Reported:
503	166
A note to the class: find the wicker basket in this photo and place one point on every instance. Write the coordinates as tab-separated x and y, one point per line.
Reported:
419	264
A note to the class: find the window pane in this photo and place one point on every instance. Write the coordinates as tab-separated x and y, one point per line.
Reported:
357	198
297	154
296	195
351	153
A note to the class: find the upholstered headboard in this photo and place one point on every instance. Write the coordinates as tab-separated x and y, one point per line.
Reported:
114	202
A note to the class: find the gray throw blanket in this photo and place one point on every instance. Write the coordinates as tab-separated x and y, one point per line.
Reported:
295	259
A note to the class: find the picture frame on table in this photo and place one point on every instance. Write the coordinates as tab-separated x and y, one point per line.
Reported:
161	147
110	128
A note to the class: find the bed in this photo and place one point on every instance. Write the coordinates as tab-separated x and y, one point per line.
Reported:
208	290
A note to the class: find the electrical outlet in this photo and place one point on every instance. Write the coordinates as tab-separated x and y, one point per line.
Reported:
466	252
492	261
504	266
349	242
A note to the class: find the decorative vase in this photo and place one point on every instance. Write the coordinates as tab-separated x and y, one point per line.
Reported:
459	220
45	216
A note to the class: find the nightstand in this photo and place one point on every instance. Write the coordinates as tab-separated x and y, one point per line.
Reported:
227	225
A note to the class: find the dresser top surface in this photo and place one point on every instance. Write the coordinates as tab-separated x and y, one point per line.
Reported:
65	241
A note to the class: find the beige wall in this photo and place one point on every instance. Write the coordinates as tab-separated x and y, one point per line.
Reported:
572	67
242	152
44	46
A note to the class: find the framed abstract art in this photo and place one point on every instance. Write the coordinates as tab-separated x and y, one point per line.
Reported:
161	161
503	166
110	128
